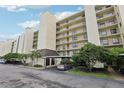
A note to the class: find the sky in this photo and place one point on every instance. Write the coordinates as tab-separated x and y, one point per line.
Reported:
13	19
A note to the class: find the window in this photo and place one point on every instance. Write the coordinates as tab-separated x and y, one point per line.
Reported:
74	32
103	33
74	45
111	21
100	16
105	42
115	40
113	31
64	47
102	24
74	38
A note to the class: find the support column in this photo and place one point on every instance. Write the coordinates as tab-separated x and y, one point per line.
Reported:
50	61
44	63
91	25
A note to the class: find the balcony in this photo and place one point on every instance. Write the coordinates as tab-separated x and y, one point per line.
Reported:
109	34
76	19
76	26
107	24
71	22
61	36
70	35
103	9
112	43
62	43
105	17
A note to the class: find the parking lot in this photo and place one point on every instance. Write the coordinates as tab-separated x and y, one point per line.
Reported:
22	77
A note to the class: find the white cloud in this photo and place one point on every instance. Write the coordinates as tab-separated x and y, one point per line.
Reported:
37	6
19	8
13	8
4	37
32	23
61	15
79	8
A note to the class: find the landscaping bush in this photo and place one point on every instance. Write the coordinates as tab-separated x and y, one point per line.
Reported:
37	65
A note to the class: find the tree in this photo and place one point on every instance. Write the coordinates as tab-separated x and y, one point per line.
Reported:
23	57
11	56
119	59
34	55
90	54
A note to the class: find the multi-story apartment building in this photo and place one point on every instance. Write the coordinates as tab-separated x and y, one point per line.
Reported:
6	47
47	32
71	34
35	40
101	25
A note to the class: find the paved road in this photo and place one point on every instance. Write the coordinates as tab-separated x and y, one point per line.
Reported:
21	77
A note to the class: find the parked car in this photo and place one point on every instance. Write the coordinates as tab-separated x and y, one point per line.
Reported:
63	67
2	61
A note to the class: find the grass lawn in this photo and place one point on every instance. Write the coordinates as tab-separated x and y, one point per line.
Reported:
99	75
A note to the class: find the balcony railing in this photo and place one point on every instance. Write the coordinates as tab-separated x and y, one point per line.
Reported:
105	16
112	43
103	8
71	28
106	24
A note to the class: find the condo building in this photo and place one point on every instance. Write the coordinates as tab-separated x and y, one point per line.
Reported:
101	25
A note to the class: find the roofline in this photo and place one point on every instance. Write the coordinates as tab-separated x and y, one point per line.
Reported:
69	16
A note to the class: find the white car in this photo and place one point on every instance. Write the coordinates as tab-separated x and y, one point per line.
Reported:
2	61
63	67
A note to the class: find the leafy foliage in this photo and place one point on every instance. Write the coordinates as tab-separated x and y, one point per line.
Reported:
11	56
37	65
90	54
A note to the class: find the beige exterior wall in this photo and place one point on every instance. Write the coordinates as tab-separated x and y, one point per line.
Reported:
109	29
15	45
7	47
1	48
28	40
47	32
101	24
102	27
71	34
91	23
21	43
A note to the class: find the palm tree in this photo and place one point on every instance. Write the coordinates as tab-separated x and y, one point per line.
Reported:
34	55
23	58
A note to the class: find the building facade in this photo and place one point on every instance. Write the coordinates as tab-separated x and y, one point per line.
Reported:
47	32
101	25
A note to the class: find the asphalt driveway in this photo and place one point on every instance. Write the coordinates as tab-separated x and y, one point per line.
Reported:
22	77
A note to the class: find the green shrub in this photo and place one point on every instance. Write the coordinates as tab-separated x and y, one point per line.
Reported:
37	65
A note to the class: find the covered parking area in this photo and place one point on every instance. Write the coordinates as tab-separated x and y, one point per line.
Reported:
52	61
51	58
